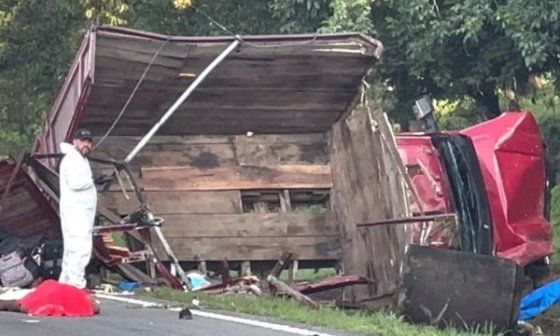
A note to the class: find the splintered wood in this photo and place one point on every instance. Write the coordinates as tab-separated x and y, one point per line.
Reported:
367	187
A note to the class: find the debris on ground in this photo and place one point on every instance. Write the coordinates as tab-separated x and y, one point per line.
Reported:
185	314
299	297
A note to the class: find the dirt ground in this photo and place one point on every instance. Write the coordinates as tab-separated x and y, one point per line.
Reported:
549	322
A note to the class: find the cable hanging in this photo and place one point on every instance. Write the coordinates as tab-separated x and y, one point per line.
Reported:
240	39
132	94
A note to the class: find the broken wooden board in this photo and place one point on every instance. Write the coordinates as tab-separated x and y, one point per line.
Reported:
176	202
462	289
249	225
213	151
237	178
253	248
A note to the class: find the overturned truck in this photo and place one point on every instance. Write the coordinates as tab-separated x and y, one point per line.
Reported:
274	151
242	149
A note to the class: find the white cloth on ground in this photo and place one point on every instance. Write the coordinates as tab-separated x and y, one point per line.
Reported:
14	293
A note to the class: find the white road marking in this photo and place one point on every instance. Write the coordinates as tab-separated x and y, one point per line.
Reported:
235	319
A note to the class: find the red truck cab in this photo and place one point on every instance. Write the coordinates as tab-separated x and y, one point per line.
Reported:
493	177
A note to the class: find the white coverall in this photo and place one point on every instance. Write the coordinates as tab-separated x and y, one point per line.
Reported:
78	202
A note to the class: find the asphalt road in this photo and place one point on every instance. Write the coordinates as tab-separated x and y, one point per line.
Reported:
119	319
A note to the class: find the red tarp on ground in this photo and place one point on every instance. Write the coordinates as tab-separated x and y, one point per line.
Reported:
52	298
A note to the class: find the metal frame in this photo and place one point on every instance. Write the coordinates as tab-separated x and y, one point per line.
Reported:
107	254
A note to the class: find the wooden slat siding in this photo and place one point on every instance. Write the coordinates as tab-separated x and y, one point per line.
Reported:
240	177
260	126
144	49
250	225
318	78
169	69
253	248
177	202
214	151
343	83
365	189
314	100
181	49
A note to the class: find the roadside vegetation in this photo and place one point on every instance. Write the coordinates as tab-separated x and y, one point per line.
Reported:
362	322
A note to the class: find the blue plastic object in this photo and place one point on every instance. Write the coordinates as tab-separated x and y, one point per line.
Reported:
128	285
540	300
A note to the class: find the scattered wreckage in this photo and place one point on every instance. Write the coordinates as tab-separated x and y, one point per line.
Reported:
225	151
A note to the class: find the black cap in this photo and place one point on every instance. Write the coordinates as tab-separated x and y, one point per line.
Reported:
83	134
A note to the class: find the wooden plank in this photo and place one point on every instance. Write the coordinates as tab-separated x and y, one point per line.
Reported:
255	139
353	48
253	248
249	225
346	82
196	128
177	202
182	49
176	154
196	202
240	177
190	117
257	151
366	187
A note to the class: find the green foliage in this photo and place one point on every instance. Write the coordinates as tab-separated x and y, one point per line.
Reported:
555	207
114	12
372	323
458	114
349	15
534	28
37	43
555	220
465	51
459	48
545	104
300	16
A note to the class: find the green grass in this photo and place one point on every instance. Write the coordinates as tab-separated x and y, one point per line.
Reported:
377	323
309	274
118	239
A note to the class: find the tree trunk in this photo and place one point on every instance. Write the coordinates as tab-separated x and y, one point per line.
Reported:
486	97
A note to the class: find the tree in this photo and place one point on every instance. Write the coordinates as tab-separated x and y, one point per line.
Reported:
37	43
454	48
451	49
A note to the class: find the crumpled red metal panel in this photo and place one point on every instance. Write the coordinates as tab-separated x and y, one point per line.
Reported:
424	166
511	154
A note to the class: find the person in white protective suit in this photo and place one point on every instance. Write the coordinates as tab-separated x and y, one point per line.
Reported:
78	202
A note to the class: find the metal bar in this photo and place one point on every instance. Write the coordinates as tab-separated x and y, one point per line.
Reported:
181	99
407	220
173	281
174	259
